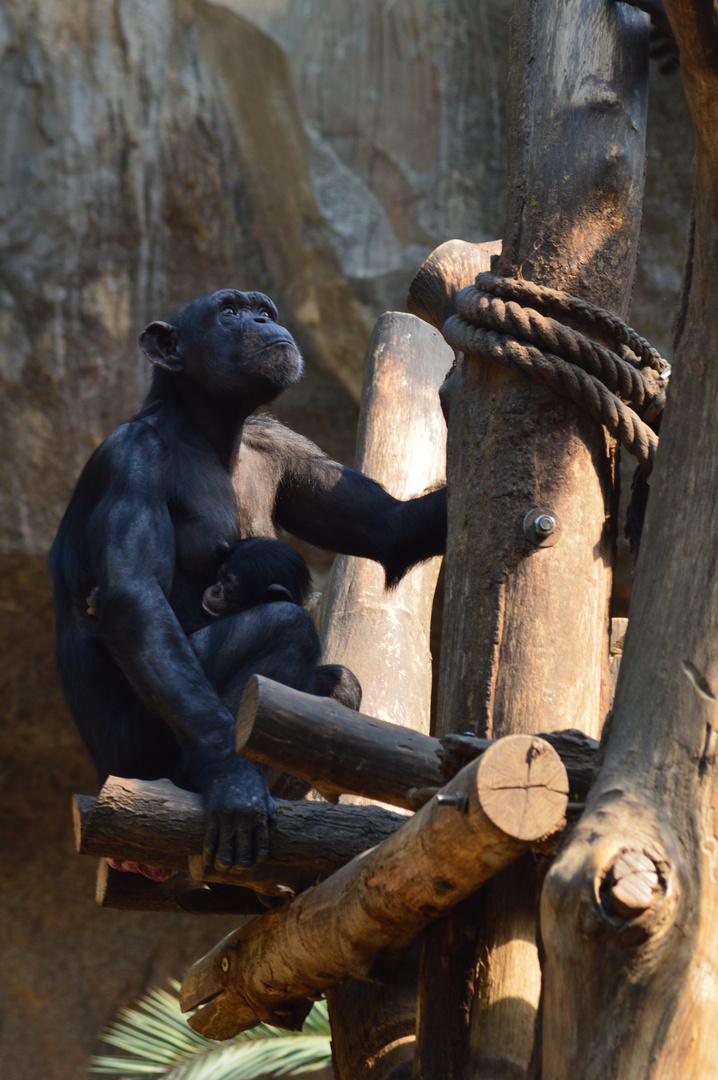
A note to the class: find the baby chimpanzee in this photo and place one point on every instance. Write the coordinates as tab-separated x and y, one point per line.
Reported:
261	570
256	571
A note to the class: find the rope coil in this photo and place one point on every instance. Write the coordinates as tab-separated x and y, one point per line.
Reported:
623	386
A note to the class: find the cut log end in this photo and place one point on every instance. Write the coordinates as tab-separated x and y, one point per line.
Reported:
523	787
633	885
450	268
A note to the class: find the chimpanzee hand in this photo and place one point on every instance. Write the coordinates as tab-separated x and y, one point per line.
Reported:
239	811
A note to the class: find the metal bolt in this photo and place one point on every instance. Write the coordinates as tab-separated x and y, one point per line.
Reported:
542	526
545	524
460	800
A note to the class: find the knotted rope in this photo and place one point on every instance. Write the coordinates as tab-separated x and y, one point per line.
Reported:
544	333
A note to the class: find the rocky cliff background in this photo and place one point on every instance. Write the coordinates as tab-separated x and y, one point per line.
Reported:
152	150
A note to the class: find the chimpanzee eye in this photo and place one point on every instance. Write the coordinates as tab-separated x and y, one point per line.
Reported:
228	306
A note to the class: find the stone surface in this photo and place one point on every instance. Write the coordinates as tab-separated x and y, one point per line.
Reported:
151	150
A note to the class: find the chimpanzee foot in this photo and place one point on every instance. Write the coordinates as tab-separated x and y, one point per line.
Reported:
338	682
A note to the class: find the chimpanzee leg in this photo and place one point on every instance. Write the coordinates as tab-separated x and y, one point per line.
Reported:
277	640
338	682
122	736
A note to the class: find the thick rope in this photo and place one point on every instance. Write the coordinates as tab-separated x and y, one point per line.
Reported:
615	387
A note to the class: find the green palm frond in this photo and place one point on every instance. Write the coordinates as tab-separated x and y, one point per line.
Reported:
157	1041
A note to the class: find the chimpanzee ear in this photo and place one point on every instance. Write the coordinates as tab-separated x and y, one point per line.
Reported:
222	549
158	342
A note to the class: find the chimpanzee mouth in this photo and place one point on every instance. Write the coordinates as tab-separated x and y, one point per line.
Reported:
214	614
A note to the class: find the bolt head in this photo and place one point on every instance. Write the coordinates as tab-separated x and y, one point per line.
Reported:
545	524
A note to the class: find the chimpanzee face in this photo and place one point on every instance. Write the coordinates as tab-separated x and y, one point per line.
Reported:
229	343
224	594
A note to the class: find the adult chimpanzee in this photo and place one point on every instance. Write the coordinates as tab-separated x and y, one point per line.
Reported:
194	468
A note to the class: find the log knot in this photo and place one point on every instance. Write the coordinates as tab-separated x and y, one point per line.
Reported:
633	885
580	351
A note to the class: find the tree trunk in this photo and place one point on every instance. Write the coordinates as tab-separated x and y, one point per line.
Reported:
630	911
484	819
526	630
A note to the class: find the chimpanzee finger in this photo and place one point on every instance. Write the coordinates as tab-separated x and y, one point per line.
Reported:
224	857
243	846
211	839
261	836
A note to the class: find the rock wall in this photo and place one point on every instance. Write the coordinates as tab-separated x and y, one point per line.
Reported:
151	150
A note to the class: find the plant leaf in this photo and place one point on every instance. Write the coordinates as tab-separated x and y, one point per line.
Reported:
157	1041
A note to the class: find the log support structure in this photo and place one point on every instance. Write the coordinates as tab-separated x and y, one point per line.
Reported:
629	912
497	807
576	136
344	751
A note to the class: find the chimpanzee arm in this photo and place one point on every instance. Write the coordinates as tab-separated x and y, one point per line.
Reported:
131	541
335	507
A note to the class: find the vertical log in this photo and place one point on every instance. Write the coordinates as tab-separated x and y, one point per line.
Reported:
630	911
526	630
384	637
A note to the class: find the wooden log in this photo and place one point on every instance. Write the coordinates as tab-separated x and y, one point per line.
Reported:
154	822
401	442
345	751
384	636
525	639
484	819
644	962
133	892
449	269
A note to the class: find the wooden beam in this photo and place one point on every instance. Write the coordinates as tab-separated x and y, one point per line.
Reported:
526	629
484	819
344	751
401	442
154	822
384	636
439	280
133	892
643	962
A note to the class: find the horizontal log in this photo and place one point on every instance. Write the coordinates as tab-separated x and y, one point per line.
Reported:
154	822
481	822
133	892
346	752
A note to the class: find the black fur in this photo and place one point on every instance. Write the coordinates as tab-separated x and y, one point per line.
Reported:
257	571
152	687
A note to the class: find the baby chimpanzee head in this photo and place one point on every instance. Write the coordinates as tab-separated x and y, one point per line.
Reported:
257	571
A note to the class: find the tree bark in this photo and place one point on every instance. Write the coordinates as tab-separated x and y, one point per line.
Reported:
154	822
344	751
577	86
133	892
384	636
484	819
630	911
